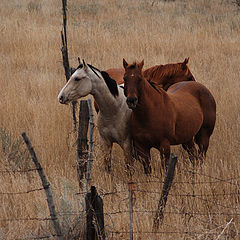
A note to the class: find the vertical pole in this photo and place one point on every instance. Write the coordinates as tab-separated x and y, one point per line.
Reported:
95	216
91	140
82	144
130	191
166	188
64	51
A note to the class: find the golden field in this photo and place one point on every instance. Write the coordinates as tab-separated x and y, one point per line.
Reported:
103	32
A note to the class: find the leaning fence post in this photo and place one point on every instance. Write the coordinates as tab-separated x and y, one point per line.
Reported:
46	186
95	216
130	193
166	188
82	143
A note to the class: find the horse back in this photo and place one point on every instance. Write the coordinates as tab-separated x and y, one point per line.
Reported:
195	93
194	89
116	74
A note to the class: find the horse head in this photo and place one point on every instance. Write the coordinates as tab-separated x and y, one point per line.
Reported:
183	72
79	85
132	79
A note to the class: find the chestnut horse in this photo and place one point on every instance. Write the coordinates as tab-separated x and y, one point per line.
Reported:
166	75
163	75
185	114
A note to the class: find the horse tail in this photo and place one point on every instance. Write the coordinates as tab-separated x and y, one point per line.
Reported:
208	106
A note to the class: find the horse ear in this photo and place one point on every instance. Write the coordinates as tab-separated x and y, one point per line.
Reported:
140	65
84	65
125	64
79	60
185	62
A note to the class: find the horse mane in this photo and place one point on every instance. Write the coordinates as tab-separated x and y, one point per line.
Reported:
161	71
154	85
111	83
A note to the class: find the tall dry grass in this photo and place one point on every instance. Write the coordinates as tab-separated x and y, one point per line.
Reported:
103	32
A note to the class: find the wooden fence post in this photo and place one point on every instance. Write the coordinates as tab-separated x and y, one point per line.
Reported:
82	143
64	51
95	216
91	141
166	188
46	186
130	190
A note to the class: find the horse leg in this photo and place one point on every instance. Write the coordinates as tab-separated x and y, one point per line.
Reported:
191	150
143	155
107	153
127	148
202	140
165	153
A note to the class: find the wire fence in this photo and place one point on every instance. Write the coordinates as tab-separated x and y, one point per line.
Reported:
198	198
222	208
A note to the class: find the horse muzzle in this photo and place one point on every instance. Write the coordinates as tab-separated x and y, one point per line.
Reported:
63	100
132	102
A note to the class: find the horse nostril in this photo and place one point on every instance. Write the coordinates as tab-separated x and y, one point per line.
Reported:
132	100
61	98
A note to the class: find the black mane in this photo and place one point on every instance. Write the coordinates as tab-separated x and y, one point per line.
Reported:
91	66
111	83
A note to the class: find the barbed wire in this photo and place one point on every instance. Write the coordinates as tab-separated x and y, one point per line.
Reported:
189	194
19	171
25	219
170	232
175	213
16	193
215	178
136	189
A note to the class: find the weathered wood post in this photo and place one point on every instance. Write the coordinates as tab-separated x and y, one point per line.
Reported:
166	188
95	216
82	143
64	51
46	186
130	197
91	141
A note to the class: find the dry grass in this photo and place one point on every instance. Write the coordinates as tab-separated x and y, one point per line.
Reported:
103	32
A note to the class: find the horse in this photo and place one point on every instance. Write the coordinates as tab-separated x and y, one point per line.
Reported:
166	75
162	75
184	114
114	114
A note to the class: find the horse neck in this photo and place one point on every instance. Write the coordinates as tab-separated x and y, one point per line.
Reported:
149	95
107	103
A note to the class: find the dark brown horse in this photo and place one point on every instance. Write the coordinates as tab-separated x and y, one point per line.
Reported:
185	114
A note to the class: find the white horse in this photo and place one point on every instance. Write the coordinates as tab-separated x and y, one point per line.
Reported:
114	114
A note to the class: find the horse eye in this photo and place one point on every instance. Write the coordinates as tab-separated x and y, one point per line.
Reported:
77	79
